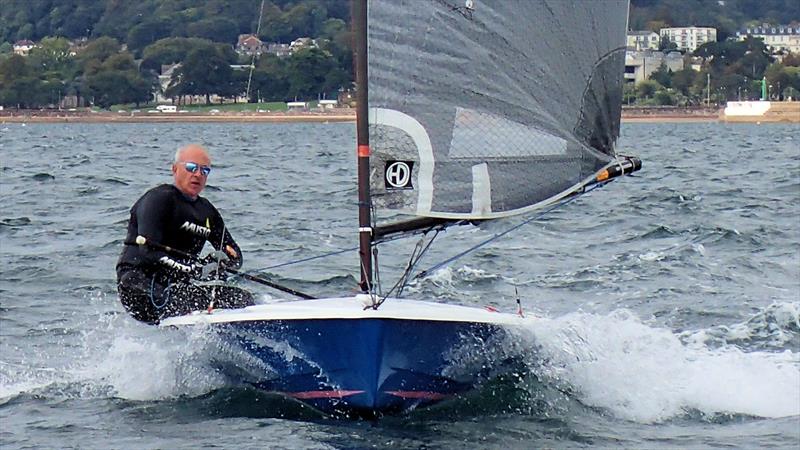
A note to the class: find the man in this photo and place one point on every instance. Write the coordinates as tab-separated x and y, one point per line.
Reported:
154	284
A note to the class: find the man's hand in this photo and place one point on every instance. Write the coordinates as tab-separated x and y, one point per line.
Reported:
231	252
212	265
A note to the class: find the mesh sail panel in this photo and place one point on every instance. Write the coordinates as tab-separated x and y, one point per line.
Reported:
483	112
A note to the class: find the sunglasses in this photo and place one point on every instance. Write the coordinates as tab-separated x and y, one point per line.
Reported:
194	167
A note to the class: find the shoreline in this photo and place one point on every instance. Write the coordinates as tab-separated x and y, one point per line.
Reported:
273	118
632	115
62	117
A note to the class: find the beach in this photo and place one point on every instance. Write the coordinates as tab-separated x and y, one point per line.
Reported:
37	116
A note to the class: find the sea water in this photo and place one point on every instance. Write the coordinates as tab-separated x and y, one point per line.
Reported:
663	309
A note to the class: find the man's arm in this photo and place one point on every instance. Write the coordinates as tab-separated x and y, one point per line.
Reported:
224	241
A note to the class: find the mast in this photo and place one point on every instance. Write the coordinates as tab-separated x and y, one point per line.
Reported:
362	128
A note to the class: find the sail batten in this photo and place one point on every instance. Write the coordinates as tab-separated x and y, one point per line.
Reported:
491	111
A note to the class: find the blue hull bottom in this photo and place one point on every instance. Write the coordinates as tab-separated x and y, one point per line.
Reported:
365	367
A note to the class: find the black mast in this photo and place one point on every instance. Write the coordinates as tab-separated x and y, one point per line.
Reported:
362	128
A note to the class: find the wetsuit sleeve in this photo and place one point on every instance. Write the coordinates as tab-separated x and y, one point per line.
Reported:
221	235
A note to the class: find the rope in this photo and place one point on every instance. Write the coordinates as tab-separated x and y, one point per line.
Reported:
499	235
253	61
298	261
415	257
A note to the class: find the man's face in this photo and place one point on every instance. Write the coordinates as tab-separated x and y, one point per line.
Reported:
191	183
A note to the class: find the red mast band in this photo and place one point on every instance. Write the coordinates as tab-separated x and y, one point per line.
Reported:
363	151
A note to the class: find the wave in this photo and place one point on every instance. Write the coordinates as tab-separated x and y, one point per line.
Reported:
647	374
15	222
776	327
43	177
610	364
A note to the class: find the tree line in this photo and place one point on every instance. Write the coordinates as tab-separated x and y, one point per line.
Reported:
128	42
140	23
103	73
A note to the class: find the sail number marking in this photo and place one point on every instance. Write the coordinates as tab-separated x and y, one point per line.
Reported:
398	174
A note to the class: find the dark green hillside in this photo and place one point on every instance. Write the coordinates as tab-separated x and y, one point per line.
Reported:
727	16
142	22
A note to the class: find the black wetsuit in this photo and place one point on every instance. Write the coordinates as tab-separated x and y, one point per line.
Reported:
153	284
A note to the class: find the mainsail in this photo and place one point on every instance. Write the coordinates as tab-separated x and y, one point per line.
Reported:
489	108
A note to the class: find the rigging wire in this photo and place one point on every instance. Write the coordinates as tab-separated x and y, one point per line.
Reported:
414	260
253	61
503	233
415	257
297	261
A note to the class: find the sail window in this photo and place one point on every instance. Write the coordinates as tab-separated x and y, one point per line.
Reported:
483	135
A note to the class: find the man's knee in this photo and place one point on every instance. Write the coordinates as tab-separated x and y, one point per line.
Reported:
135	297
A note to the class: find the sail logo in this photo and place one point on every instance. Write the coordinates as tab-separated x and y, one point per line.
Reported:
196	229
398	174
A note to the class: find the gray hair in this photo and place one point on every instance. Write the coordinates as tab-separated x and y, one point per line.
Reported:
178	154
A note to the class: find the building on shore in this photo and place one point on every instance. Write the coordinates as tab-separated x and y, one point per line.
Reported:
250	45
640	65
761	112
775	37
689	38
642	40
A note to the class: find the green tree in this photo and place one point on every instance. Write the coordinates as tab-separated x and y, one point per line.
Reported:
662	75
781	77
109	76
219	29
663	97
111	87
683	80
629	93
205	71
275	27
666	45
99	49
169	51
270	81
146	33
647	88
19	85
309	73
52	58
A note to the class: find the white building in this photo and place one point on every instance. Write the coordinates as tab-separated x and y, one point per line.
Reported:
689	38
301	43
297	106
327	104
23	47
643	40
775	37
278	49
249	44
640	65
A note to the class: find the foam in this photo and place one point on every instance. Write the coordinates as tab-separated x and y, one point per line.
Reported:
647	374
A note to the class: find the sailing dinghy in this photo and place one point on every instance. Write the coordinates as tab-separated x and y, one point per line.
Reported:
467	111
